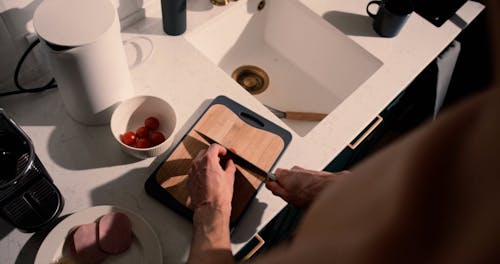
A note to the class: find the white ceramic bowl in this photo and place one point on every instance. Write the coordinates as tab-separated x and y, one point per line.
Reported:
130	115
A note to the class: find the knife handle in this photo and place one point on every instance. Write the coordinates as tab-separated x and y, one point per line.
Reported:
305	116
223	161
271	176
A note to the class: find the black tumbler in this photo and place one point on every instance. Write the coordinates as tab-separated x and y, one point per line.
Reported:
174	16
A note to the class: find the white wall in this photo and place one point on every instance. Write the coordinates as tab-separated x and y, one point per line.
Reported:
15	24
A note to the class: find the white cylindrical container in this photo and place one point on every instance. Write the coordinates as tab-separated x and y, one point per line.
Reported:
86	56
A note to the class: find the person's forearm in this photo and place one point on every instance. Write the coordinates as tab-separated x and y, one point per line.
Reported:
211	242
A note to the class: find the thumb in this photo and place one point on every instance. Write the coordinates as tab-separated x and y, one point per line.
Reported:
298	168
277	189
230	167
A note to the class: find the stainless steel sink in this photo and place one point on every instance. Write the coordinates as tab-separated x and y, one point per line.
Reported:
311	65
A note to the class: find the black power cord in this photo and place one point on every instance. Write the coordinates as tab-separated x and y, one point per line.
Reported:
51	84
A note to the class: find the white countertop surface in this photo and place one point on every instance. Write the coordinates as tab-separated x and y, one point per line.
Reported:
89	168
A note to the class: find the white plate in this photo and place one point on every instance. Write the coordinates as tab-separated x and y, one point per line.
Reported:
145	246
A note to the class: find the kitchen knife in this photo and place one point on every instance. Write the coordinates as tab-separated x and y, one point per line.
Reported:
265	176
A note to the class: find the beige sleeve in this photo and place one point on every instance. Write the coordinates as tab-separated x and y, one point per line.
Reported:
432	197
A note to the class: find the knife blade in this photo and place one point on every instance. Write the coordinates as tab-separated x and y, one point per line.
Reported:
264	175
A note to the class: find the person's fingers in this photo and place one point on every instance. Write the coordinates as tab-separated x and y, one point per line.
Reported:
190	180
230	167
200	155
301	169
217	150
340	173
276	189
212	155
297	168
216	153
344	172
280	173
212	152
282	176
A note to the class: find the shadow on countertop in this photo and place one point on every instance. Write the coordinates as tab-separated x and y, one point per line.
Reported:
351	24
70	144
30	249
247	226
5	228
78	147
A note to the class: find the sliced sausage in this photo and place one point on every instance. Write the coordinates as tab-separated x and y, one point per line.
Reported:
86	246
115	233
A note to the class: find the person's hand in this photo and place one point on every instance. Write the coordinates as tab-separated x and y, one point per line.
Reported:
211	189
299	186
209	183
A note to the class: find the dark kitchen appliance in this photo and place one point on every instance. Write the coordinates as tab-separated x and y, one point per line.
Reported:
29	200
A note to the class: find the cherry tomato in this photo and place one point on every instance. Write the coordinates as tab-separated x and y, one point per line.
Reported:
152	123
143	143
128	138
142	132
157	138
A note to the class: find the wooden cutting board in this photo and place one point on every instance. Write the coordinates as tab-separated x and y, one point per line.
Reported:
251	136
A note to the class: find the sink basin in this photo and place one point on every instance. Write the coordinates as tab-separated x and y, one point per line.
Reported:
311	65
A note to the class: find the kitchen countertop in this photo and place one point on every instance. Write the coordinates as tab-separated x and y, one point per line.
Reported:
90	169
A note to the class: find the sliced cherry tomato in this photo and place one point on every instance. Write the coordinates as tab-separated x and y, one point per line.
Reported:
152	123
157	138
143	143
142	132
128	138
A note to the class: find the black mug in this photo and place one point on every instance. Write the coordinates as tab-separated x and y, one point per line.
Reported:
391	16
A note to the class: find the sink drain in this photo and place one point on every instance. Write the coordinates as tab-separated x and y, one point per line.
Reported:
254	79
